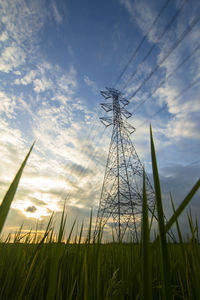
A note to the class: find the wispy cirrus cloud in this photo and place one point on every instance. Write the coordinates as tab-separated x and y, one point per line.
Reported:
21	24
143	14
26	27
57	15
7	107
91	84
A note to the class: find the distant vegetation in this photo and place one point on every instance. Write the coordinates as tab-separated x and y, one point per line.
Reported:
45	267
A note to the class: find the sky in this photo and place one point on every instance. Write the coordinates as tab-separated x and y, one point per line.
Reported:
55	58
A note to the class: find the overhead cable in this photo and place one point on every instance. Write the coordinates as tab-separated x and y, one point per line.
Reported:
167	78
167	27
141	43
166	104
179	40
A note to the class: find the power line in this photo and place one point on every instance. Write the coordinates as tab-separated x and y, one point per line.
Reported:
166	104
155	44
183	35
141	42
167	78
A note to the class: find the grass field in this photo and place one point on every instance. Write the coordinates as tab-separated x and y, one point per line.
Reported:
110	271
43	267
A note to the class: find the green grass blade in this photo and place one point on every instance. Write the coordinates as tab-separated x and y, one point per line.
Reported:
192	227
179	231
80	234
72	289
89	229
62	225
28	277
182	206
9	196
146	251
166	291
177	224
197	227
70	234
152	217
32	267
55	255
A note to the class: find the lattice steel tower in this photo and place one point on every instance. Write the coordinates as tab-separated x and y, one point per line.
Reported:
121	195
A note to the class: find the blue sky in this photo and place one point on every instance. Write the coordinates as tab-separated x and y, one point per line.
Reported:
55	57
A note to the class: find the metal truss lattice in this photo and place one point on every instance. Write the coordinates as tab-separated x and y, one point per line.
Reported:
121	195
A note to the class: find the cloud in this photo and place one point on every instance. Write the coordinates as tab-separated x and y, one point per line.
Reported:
31	209
11	58
41	85
22	23
57	16
7	106
46	107
3	36
61	98
70	50
179	180
27	79
91	84
182	109
11	142
143	14
48	77
183	106
62	161
67	82
78	170
185	124
26	27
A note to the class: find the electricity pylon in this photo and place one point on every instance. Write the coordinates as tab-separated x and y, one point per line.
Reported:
121	195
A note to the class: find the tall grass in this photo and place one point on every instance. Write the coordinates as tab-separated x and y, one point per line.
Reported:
8	198
51	266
